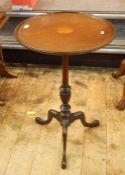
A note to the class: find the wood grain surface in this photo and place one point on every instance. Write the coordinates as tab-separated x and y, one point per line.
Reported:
65	33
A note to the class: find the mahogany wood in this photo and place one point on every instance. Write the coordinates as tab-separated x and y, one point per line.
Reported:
65	34
65	117
3	69
62	33
117	74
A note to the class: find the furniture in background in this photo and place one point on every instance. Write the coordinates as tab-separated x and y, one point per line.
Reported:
3	19
117	74
3	69
65	34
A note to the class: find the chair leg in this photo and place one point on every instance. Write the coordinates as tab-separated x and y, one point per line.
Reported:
121	71
121	104
116	74
3	69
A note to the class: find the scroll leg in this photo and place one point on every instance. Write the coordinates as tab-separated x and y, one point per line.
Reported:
51	114
121	104
8	74
64	135
81	116
121	71
3	69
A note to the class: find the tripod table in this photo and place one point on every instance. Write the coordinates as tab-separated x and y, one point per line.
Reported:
64	34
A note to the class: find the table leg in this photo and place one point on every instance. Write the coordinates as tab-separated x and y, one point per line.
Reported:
65	117
116	74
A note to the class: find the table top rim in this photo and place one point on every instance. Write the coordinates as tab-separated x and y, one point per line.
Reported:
63	53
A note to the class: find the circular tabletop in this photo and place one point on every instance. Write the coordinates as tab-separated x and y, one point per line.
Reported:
65	33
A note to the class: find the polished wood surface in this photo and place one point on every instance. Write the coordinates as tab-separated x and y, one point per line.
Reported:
65	33
61	33
65	117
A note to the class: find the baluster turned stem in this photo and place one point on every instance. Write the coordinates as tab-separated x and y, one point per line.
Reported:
65	80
